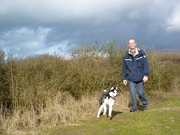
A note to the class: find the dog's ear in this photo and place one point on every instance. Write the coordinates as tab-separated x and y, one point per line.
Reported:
112	88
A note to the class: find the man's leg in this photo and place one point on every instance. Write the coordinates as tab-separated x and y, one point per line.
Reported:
133	95
142	96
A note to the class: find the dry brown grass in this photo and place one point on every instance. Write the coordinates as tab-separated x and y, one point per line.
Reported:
69	112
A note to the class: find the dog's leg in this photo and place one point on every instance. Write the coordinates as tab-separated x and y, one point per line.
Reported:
99	111
110	107
110	110
105	109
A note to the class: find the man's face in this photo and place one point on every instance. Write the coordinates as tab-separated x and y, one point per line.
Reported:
132	44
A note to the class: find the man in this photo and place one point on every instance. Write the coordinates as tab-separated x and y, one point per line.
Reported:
135	71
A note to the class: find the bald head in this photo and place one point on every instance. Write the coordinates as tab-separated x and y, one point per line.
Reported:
132	40
132	44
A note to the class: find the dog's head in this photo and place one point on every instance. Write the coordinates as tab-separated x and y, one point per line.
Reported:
113	92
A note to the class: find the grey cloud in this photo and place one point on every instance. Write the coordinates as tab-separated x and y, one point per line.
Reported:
34	25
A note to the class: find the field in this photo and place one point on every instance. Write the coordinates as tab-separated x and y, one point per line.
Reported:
47	93
162	119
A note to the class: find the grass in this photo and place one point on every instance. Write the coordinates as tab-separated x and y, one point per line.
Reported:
163	118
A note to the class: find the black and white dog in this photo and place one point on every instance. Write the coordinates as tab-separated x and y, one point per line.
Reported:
107	99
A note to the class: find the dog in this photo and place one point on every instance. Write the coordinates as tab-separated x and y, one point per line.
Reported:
107	99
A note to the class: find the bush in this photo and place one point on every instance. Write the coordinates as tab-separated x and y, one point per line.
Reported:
163	71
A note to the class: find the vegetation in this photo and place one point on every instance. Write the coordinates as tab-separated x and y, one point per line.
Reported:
47	91
161	119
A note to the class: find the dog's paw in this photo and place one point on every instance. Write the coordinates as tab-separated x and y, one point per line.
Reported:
97	116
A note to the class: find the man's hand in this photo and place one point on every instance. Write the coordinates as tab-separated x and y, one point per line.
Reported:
145	78
125	82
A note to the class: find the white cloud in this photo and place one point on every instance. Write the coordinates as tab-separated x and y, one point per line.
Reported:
24	39
173	22
59	49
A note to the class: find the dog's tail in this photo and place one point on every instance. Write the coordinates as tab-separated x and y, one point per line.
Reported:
104	94
104	91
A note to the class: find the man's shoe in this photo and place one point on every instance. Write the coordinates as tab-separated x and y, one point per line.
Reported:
133	110
145	107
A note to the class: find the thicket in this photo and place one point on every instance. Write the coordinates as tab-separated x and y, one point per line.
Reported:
29	84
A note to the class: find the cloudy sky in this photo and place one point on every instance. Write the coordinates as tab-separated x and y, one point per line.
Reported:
39	26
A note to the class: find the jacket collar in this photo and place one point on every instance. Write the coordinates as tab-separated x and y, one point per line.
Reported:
136	53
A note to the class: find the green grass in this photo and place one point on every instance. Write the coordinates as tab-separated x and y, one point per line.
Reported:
161	119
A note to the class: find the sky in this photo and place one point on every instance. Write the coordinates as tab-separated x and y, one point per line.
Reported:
42	26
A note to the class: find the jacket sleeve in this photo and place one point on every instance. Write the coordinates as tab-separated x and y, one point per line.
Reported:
146	66
124	68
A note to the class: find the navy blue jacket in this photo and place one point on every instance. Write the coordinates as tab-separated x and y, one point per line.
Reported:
134	68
